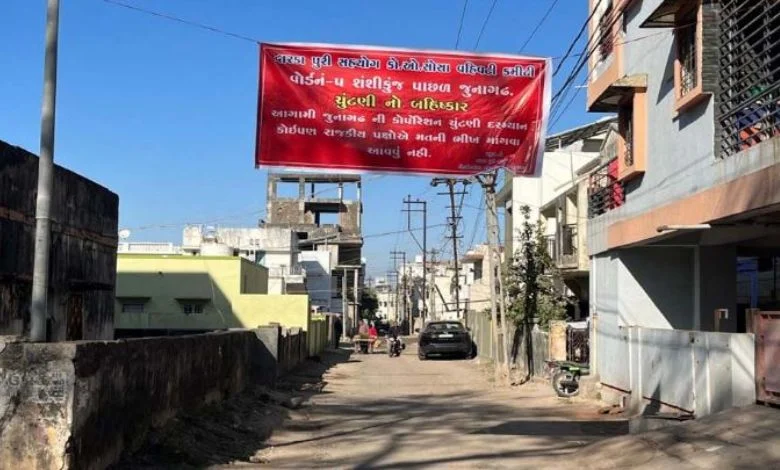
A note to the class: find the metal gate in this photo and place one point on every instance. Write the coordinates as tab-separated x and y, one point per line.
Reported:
766	326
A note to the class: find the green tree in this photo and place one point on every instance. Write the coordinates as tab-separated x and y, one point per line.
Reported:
369	304
531	277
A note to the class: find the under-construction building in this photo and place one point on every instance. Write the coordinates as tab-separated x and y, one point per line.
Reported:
326	212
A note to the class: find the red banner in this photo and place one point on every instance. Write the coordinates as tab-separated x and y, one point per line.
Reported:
389	110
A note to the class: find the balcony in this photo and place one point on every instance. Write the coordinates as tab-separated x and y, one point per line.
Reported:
605	191
562	247
567	239
749	100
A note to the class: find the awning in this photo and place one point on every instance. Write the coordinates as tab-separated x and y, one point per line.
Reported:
613	96
664	16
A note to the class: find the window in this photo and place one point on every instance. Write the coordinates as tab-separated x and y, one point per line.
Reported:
132	307
606	38
626	123
192	308
687	53
478	270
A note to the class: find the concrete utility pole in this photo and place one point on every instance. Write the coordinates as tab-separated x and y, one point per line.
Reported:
40	282
489	185
423	246
454	221
401	256
432	296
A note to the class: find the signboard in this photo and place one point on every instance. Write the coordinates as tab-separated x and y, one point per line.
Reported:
390	110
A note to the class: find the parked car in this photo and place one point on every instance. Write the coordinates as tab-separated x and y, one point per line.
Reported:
445	338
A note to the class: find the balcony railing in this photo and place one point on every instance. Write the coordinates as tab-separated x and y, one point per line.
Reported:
605	192
749	97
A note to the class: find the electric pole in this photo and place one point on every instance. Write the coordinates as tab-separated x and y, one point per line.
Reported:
396	256
392	279
408	203
40	281
432	294
488	182
454	221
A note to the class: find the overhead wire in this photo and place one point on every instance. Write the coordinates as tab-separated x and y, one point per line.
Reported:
182	20
539	24
460	25
485	23
577	38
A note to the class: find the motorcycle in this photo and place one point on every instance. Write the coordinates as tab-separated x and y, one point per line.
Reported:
566	377
394	347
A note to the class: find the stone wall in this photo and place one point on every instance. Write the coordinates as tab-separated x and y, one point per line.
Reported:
83	250
82	404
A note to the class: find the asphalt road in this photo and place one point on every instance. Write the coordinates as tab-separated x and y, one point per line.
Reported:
380	412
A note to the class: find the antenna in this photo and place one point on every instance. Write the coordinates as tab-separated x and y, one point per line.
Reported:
124	234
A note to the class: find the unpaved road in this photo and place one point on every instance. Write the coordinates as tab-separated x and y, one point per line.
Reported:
379	412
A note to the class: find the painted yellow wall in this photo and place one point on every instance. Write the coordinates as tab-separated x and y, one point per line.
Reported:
163	280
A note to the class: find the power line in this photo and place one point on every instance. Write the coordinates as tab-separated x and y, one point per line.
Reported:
462	20
485	23
562	112
183	21
577	38
539	24
589	50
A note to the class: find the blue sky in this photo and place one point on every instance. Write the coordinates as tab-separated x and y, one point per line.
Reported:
164	113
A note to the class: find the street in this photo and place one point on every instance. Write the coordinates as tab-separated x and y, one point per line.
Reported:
374	412
379	412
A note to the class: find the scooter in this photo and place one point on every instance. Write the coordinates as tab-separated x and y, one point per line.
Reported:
394	347
566	377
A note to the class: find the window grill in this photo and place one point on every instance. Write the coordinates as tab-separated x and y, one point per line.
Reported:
606	38
628	136
686	47
749	96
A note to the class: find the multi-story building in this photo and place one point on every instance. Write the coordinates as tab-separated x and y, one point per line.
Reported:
276	248
564	154
326	213
690	187
161	295
387	297
565	216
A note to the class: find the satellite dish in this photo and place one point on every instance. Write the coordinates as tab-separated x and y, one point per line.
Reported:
124	234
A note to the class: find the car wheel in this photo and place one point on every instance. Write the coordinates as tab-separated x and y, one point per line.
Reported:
422	357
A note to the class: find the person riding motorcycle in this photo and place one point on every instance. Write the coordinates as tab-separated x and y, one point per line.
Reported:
393	335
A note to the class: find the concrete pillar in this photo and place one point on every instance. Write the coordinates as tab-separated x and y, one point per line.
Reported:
301	200
558	340
356	291
270	196
360	205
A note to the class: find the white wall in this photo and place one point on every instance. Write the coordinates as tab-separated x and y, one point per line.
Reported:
558	174
319	282
701	372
